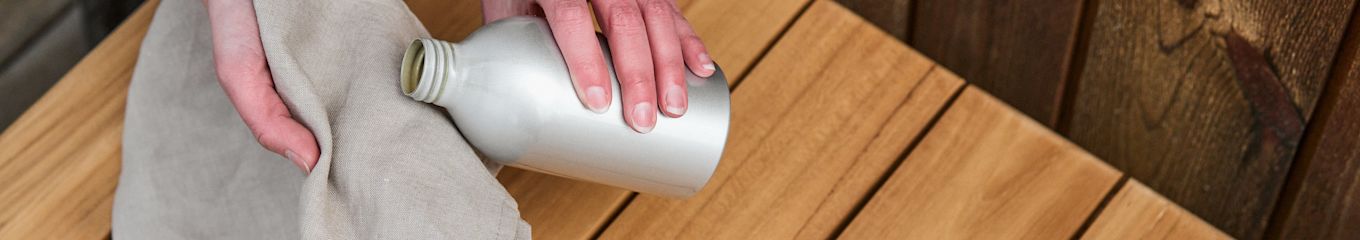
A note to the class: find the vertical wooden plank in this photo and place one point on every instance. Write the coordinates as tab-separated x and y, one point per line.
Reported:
985	171
61	159
736	32
1323	197
450	20
29	73
893	16
1017	50
814	128
1205	100
22	20
1136	212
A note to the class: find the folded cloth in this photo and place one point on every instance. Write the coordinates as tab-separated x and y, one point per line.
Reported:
390	167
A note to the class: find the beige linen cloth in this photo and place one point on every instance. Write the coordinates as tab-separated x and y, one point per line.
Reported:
390	167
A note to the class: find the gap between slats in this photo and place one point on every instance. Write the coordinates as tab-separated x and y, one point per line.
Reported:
1074	70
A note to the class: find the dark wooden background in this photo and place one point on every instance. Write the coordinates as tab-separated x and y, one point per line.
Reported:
1245	112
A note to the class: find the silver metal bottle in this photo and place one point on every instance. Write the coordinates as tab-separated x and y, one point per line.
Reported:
508	90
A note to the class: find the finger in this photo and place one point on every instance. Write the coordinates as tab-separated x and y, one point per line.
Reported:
623	25
574	31
696	54
493	10
669	64
239	59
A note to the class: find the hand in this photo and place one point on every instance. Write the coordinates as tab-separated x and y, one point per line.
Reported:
241	69
651	44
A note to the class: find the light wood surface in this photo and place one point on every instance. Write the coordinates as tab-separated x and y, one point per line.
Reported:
60	160
1136	212
823	121
804	148
737	32
985	171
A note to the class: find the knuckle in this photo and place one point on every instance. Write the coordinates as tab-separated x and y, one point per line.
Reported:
640	87
261	137
693	43
568	11
657	8
672	59
625	19
638	79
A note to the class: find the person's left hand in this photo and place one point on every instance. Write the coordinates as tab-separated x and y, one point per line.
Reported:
650	41
238	56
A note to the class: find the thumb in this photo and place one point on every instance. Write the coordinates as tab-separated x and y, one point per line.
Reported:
283	135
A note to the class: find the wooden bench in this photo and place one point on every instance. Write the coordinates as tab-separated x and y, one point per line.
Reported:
838	131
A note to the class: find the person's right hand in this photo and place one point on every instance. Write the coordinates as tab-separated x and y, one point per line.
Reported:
651	43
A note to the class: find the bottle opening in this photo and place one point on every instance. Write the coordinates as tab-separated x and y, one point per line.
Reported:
412	65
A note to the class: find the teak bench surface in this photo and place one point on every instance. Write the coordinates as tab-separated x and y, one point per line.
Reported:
838	130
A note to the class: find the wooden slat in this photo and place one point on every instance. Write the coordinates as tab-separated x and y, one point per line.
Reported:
60	160
1018	50
736	32
815	126
1136	212
1323	201
1163	96
985	171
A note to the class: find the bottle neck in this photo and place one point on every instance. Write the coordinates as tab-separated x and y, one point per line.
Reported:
427	68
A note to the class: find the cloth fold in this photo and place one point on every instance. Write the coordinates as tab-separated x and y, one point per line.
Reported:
390	167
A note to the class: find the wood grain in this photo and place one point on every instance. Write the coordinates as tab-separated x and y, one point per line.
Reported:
893	16
450	20
1018	50
1137	212
985	171
1204	101
1323	197
61	158
804	149
736	32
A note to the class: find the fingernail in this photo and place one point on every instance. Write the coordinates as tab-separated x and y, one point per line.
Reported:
708	62
596	100
643	118
675	102
294	158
